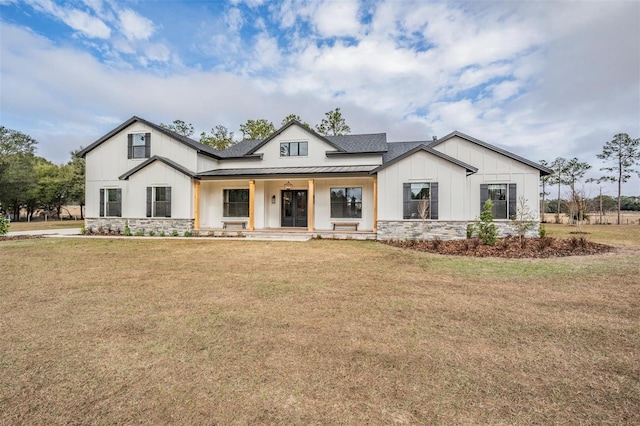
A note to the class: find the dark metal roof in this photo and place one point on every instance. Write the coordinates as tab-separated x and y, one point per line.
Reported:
240	149
199	147
544	170
288	171
164	160
422	147
367	143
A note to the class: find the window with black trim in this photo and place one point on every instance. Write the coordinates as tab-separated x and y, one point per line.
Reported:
139	145
158	201
346	202
111	202
236	203
294	149
503	199
420	200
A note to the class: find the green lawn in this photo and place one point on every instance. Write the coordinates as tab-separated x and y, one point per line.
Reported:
320	332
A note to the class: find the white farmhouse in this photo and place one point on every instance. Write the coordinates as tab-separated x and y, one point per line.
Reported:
149	178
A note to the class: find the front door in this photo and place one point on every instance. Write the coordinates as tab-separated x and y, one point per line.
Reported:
294	209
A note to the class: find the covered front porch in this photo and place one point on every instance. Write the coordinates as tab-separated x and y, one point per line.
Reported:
328	206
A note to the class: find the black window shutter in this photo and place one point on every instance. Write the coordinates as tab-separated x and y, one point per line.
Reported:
513	199
168	209
484	195
149	200
406	201
119	202
129	146
102	203
147	145
434	200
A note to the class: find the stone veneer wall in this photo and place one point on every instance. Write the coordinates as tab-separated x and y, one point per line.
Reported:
445	230
155	224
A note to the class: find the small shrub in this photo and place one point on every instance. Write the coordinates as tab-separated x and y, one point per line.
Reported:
187	233
127	231
542	231
139	233
470	230
174	233
544	243
475	242
577	242
436	243
487	231
83	230
4	225
161	234
108	231
151	233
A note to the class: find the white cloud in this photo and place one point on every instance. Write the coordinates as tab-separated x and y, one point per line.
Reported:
337	18
88	25
135	27
541	79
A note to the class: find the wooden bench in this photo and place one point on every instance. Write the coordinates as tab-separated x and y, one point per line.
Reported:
345	225
235	223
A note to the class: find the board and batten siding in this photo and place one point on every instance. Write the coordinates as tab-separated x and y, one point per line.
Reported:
493	167
422	167
158	174
109	160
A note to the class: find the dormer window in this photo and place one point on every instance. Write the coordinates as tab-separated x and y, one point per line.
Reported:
294	149
139	145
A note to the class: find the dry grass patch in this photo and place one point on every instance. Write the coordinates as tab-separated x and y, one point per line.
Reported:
201	331
51	224
620	235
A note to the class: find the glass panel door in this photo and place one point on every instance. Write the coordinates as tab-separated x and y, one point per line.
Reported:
294	209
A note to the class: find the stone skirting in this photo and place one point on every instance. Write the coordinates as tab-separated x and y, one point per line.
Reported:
444	230
155	224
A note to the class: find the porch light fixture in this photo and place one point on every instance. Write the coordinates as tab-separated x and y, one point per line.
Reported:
288	185
273	199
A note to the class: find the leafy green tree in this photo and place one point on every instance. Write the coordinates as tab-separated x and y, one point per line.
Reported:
623	153
296	117
180	127
220	138
75	172
630	203
51	190
15	142
257	129
333	124
17	183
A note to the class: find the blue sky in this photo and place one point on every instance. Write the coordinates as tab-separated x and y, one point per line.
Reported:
540	78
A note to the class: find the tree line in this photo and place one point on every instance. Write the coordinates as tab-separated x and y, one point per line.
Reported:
621	157
33	183
333	124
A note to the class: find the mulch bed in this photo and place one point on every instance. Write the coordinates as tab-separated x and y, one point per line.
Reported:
546	247
19	237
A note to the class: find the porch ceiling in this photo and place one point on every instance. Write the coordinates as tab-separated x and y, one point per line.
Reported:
287	172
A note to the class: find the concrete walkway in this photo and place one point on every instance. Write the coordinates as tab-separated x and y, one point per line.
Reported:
62	231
